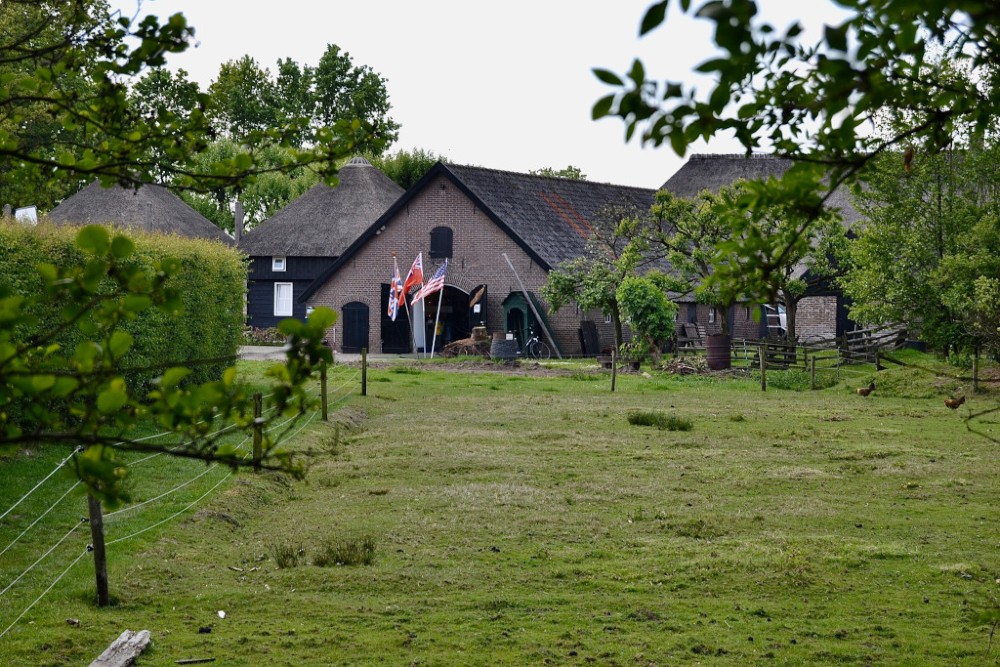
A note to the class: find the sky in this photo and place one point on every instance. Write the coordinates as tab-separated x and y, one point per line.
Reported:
505	85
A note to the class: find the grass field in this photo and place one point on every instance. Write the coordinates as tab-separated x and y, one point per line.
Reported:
516	519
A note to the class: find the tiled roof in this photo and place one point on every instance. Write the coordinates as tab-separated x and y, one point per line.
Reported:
151	207
324	221
552	216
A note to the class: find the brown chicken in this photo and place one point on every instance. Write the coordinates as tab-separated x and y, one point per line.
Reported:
953	403
864	391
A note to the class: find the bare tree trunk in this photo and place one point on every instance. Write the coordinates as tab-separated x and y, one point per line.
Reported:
791	311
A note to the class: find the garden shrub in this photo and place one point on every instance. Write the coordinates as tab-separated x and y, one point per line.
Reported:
211	284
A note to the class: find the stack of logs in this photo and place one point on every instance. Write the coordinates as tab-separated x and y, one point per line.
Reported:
478	345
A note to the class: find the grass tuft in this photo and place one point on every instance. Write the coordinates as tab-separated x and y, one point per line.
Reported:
660	420
352	551
287	555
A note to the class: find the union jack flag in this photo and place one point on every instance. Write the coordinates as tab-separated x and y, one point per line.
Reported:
395	287
435	284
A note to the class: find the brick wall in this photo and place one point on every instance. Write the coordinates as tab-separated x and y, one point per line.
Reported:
476	259
816	318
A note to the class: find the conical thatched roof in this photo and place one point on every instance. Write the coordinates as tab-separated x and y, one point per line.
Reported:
152	208
325	221
713	172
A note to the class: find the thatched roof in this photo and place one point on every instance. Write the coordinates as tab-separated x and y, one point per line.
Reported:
151	208
713	172
325	221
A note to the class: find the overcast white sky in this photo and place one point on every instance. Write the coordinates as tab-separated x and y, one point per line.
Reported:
506	85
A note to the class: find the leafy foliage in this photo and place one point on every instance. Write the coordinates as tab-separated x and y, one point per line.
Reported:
406	167
647	309
82	379
817	102
569	172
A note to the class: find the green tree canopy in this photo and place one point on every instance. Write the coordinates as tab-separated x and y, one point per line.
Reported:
406	167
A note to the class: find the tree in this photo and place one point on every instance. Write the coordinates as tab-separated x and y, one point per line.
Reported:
644	303
815	102
916	254
244	99
345	90
569	172
164	99
593	280
406	167
70	63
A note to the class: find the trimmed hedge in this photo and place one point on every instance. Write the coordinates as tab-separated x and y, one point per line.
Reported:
211	285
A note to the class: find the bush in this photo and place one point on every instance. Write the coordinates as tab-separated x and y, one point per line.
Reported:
210	283
263	336
659	420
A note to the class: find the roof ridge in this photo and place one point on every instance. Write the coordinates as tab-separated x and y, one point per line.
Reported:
741	156
547	178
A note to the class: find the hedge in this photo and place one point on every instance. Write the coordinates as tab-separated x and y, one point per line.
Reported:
211	284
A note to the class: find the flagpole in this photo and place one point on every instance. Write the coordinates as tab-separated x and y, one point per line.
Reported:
436	319
413	335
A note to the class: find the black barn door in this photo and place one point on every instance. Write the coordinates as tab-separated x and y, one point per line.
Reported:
355	327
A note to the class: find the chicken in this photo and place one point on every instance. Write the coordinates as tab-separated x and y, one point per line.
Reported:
864	391
953	403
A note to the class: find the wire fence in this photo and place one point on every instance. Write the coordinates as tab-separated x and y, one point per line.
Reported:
347	379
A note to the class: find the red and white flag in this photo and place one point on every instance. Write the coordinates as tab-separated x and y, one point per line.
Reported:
413	278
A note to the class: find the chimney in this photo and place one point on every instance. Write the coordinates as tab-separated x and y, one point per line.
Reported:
238	221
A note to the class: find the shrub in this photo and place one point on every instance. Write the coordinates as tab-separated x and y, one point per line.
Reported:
263	336
210	283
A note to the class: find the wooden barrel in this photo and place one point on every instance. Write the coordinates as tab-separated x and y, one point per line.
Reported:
719	354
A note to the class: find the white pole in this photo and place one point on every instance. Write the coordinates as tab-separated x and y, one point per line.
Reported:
436	318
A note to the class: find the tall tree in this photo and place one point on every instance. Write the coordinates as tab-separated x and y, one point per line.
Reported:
245	99
816	102
406	167
348	91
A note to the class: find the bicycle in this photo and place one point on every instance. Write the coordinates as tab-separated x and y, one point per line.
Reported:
536	349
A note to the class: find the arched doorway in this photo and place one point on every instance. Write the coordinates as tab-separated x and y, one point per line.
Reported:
454	320
355	327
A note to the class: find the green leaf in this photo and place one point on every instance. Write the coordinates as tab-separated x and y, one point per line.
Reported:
93	238
602	107
836	38
654	17
608	77
113	398
290	326
174	376
120	343
122	247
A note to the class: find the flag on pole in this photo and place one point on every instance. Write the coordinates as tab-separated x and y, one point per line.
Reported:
413	278
395	287
433	285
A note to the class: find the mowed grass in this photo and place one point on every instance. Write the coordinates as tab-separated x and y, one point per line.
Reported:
512	520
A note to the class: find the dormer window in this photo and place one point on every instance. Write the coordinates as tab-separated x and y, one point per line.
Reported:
278	264
441	242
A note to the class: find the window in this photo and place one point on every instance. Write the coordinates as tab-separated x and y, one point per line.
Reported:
441	238
607	318
283	299
746	313
277	263
711	315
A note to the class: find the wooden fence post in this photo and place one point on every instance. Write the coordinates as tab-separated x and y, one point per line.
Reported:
763	366
812	372
322	391
614	369
364	371
100	555
258	429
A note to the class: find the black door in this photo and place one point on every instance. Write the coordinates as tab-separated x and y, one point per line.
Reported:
396	337
355	327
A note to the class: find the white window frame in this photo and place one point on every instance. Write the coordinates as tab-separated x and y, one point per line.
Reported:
278	312
279	264
711	315
607	318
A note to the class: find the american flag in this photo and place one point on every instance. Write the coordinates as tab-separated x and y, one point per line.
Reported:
433	285
395	287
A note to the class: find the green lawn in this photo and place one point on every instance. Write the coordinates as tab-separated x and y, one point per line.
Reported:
521	519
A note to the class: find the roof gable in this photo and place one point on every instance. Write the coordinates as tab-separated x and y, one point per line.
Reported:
325	221
151	208
550	218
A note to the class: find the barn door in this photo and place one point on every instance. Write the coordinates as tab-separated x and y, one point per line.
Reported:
355	327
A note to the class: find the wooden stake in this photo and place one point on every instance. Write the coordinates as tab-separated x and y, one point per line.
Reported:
812	372
763	366
614	368
258	429
100	555
364	371
322	391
